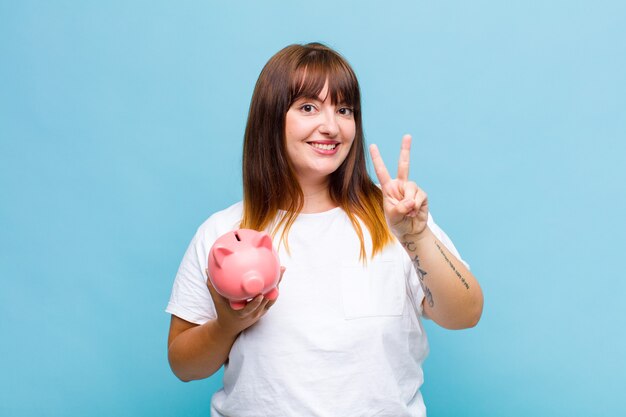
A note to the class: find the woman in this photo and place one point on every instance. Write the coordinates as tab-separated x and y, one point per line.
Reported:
361	263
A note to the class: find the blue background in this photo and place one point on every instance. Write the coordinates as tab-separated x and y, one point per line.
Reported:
121	126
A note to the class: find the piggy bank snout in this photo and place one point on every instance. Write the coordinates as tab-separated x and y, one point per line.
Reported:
252	283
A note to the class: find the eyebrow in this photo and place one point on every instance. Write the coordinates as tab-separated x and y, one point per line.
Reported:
318	98
308	97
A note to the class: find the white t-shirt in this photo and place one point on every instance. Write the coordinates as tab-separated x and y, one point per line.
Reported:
343	339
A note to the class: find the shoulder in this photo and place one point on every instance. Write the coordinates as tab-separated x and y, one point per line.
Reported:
221	222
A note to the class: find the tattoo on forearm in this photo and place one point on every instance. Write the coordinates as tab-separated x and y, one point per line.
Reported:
421	274
463	281
409	246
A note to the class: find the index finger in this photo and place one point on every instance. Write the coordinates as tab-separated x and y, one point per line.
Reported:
379	166
403	162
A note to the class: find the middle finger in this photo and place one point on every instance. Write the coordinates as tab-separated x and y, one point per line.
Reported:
404	161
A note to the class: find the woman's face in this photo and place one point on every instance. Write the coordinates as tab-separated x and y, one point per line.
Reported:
318	136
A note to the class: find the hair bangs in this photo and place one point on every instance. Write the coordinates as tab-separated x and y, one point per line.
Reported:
318	68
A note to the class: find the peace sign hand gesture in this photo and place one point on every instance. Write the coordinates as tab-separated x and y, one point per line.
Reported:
404	203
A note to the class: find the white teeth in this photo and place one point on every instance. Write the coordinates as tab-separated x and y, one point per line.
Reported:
326	147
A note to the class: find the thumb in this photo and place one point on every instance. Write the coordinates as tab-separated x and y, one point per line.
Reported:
405	206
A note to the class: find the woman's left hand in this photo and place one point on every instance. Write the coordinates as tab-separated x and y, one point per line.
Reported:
405	204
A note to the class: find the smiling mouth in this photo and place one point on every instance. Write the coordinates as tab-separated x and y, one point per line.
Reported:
324	146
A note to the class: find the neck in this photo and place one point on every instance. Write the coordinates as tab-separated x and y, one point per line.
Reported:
316	197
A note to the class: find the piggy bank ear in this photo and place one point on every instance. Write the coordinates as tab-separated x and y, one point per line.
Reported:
219	253
263	241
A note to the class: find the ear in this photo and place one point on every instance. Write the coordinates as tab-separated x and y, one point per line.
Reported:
264	241
219	253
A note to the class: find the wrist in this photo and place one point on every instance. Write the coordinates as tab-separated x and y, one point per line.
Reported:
415	238
225	330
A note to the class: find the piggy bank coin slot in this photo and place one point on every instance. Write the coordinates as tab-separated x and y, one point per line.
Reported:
237	237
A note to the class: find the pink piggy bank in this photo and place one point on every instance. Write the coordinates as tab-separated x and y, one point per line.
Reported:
243	264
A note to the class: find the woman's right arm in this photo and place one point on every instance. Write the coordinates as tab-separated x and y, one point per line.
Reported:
198	351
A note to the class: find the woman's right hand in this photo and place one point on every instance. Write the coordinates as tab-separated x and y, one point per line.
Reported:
232	321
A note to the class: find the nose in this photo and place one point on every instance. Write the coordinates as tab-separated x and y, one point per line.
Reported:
328	125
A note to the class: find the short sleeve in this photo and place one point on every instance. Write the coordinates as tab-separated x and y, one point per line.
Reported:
190	299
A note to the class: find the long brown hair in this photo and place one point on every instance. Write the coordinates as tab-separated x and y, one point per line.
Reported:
269	182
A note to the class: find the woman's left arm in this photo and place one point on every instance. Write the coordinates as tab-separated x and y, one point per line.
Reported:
453	298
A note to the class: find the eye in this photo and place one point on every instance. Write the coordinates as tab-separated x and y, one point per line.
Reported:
307	108
346	111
